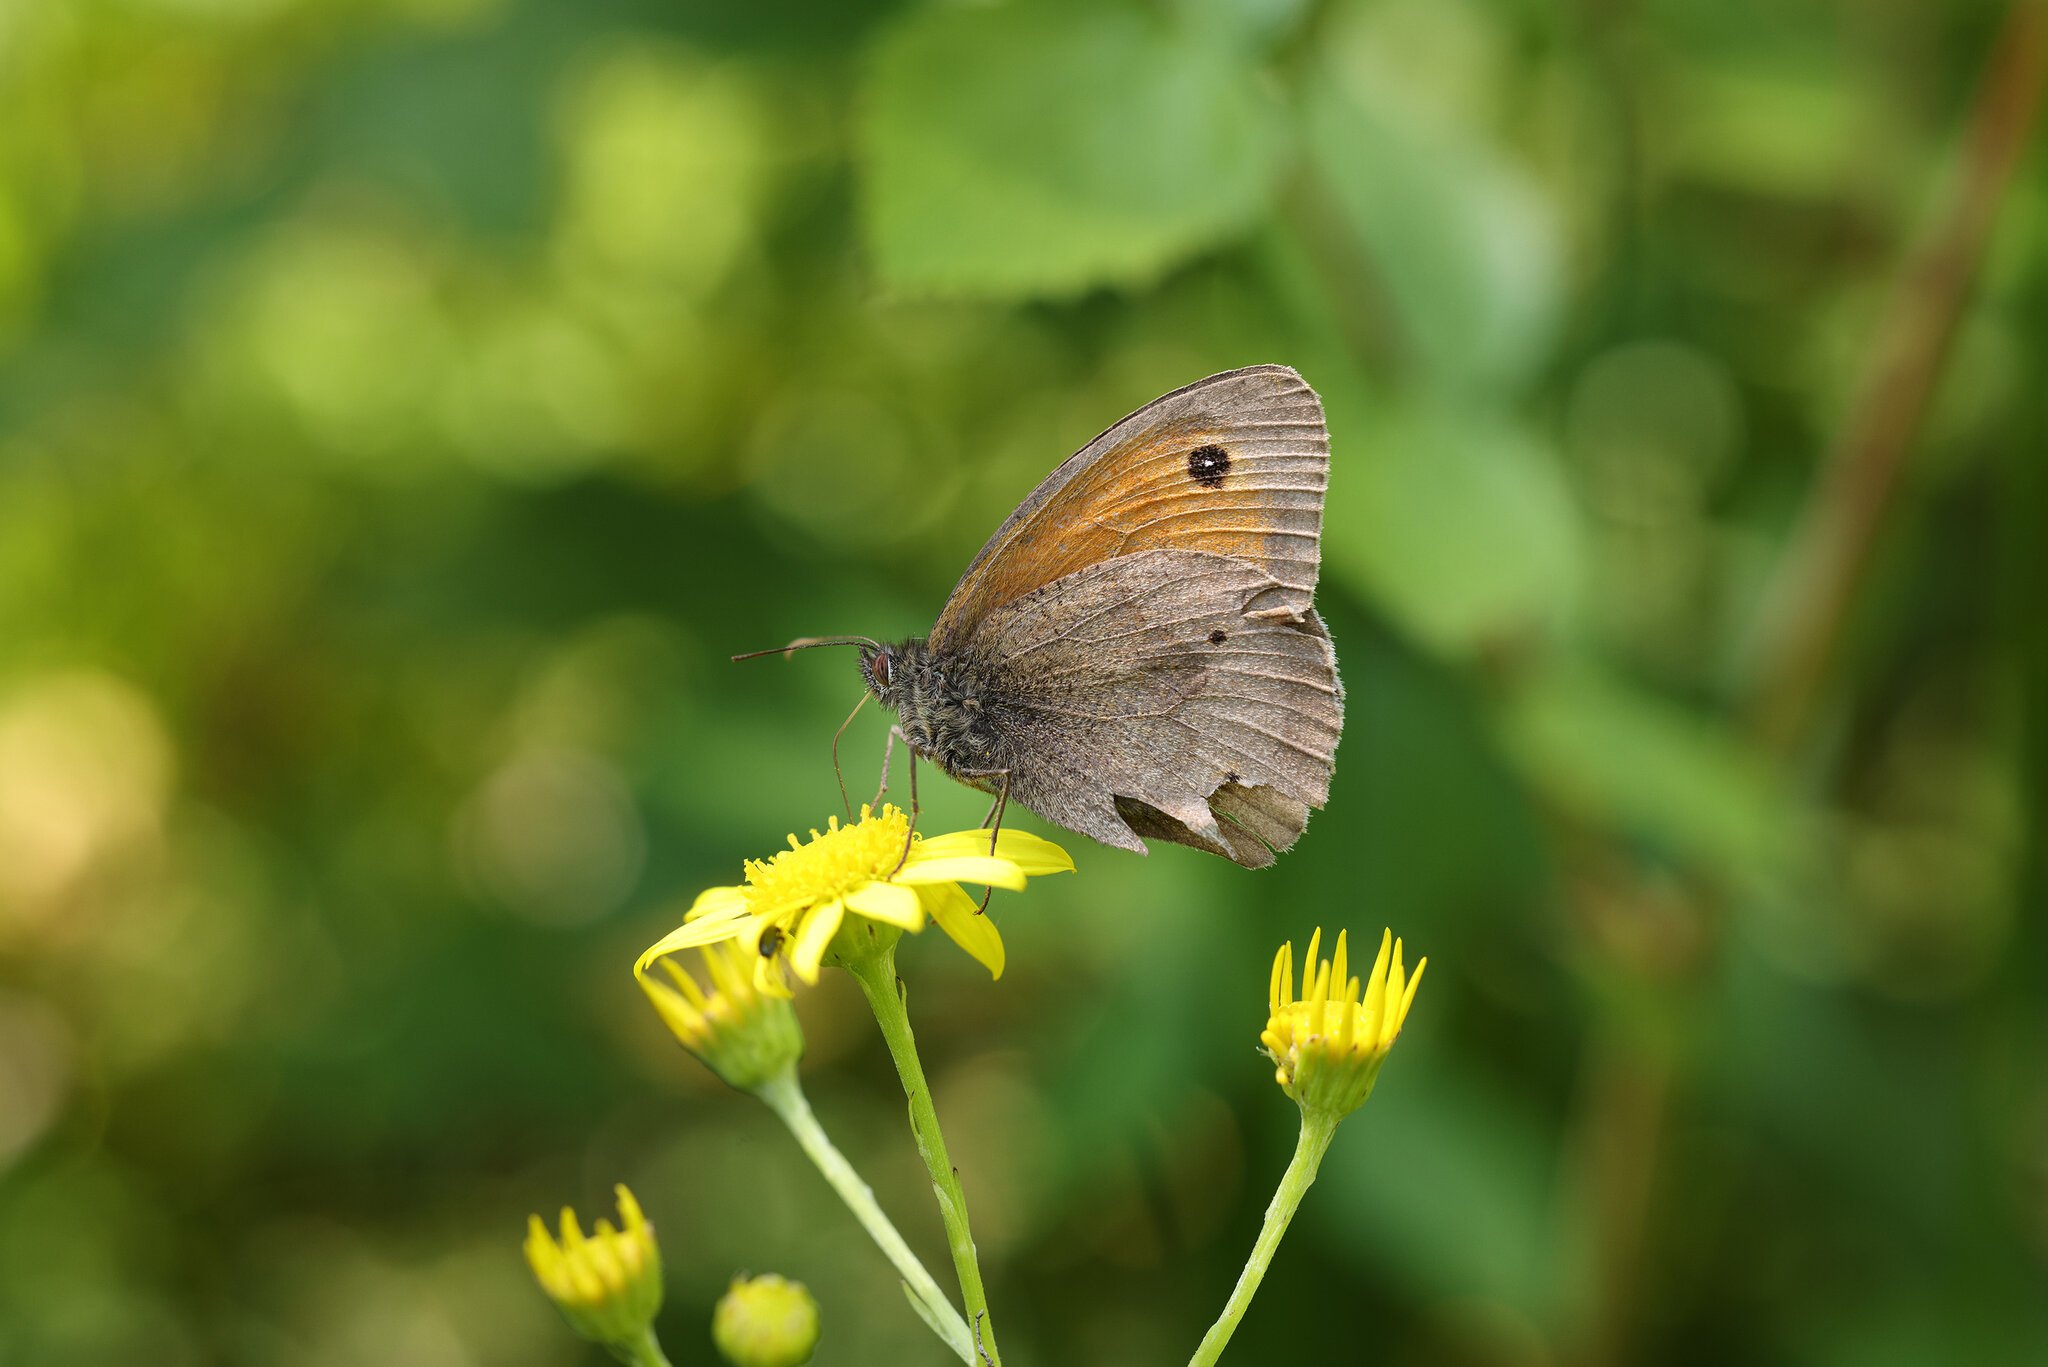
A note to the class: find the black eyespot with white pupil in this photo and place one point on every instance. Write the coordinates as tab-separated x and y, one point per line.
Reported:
1207	465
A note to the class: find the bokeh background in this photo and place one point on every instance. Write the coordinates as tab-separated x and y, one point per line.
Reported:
407	406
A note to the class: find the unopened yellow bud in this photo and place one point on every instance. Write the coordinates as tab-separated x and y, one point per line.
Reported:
766	1322
606	1284
740	1031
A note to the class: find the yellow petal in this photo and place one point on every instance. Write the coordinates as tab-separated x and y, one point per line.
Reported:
1376	985
1033	854
629	1210
956	914
728	925
819	927
684	983
897	906
682	1019
541	1253
769	979
962	868
713	901
1408	997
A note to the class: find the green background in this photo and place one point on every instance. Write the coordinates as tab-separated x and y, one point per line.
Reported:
407	406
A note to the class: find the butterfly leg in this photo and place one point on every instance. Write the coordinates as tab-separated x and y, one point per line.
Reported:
837	773
994	820
995	828
910	831
888	750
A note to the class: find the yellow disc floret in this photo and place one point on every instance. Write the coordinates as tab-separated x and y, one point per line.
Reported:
876	869
830	865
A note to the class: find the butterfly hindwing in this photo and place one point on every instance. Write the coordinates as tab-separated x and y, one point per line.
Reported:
1169	693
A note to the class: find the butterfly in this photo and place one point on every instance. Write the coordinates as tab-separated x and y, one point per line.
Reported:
1135	651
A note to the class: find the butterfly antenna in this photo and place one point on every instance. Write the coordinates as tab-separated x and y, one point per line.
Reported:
838	773
806	642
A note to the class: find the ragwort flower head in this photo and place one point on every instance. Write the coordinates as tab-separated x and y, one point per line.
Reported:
737	1030
1327	1045
795	901
606	1284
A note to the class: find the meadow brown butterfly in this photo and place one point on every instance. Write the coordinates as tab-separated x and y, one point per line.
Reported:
1134	652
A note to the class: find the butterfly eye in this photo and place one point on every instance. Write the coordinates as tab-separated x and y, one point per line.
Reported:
881	670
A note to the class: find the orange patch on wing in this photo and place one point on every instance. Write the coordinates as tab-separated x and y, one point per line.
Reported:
1140	496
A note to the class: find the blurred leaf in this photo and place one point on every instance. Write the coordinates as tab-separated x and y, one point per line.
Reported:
1436	814
1626	760
1257	23
1458	522
414	113
1463	244
1775	122
1447	1185
1033	150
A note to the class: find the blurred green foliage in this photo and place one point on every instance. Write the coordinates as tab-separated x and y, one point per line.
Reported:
406	406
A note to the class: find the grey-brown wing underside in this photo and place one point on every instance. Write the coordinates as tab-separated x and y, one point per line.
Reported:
1235	464
1174	694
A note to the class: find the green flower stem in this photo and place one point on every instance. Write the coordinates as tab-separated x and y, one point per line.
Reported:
875	970
784	1095
1317	1127
644	1351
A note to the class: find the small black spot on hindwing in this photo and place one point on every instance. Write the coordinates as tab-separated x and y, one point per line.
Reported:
1207	465
1217	638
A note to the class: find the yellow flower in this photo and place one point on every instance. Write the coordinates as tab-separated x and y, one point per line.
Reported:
738	1031
795	901
1328	1043
765	1321
608	1285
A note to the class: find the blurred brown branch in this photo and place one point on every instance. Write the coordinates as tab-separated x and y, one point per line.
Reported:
1807	608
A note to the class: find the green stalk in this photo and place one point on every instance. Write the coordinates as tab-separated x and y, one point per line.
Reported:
1317	1127
644	1351
874	969
784	1095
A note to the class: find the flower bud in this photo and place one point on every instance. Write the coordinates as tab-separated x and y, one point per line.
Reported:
765	1322
740	1032
1327	1045
607	1285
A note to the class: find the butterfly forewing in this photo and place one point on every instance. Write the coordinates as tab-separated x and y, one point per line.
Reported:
1232	465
